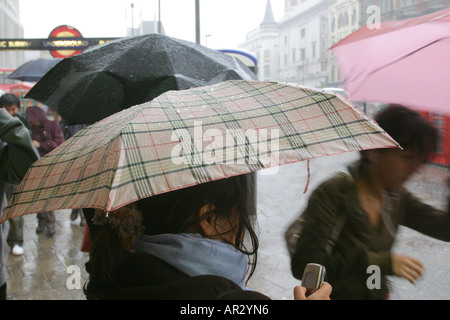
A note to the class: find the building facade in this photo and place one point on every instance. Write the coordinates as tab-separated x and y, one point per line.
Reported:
401	9
10	27
344	18
303	43
263	42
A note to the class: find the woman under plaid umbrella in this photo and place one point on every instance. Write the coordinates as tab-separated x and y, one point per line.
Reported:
189	244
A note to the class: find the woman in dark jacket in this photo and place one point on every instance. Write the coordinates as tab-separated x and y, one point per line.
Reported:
46	136
193	244
373	202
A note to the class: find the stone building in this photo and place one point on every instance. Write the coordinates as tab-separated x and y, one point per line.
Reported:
303	42
296	48
344	18
263	42
10	27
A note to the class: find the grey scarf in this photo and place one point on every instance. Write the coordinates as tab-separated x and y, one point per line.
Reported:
195	255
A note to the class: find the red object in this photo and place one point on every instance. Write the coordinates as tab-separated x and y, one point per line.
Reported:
65	31
86	246
442	123
21	89
5	87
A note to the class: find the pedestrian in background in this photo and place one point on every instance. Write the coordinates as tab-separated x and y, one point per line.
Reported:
373	202
17	153
186	244
68	131
11	103
46	136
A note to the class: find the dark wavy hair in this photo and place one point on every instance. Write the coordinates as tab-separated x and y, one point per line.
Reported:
9	99
409	129
177	211
173	212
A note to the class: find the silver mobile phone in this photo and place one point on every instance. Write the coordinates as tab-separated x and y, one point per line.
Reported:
313	277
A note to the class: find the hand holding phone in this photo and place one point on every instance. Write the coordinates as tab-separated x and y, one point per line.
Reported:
313	277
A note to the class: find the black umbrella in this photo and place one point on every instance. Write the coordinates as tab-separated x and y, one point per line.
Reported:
33	70
109	78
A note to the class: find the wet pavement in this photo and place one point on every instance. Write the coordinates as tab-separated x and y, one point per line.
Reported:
47	270
42	272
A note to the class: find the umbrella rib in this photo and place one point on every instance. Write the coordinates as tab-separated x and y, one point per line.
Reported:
397	60
157	154
234	123
204	134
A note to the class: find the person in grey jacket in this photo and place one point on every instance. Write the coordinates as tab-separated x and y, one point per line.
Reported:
11	103
17	153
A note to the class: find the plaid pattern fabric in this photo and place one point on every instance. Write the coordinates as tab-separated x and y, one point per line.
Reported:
187	137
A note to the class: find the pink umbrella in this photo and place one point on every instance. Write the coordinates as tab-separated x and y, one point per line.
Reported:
406	62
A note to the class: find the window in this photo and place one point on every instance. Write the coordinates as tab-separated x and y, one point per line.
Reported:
303	54
266	55
313	49
302	33
293	55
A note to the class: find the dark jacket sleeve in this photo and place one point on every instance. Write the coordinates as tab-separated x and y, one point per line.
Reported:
17	150
206	287
425	218
325	206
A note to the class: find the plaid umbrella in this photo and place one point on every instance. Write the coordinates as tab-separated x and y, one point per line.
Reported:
187	137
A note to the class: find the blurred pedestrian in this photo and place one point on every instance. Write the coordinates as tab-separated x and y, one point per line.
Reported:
68	131
374	202
11	103
192	243
17	153
46	136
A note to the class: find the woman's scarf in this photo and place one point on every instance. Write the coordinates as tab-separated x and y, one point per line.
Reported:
195	255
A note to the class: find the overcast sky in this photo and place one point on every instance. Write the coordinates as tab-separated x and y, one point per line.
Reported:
226	21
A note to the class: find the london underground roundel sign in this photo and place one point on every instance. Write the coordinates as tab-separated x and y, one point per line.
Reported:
64	31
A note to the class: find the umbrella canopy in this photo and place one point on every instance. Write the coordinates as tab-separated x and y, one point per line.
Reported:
183	138
404	62
33	70
109	78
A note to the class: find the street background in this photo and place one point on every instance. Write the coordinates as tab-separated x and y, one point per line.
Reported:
42	274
